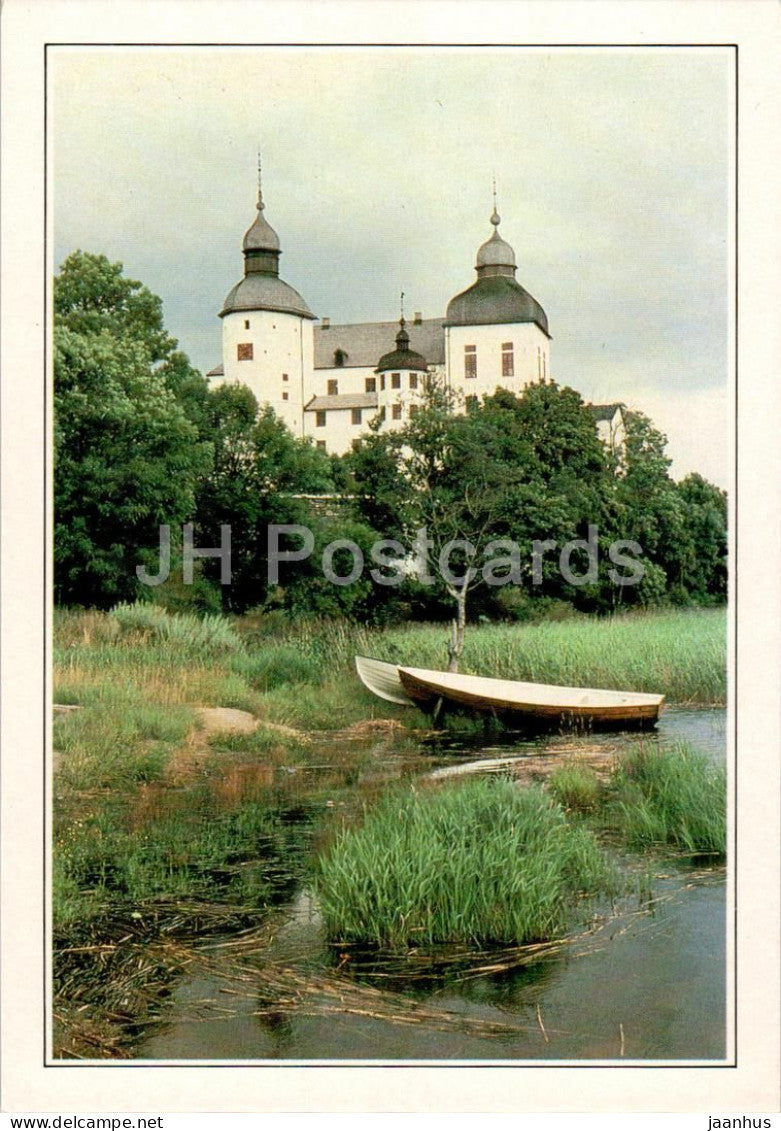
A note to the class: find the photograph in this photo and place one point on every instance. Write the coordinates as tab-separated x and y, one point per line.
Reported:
392	454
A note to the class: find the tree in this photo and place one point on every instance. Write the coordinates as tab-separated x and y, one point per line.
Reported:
511	469
126	456
259	472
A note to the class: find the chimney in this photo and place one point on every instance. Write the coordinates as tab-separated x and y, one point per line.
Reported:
325	323
417	318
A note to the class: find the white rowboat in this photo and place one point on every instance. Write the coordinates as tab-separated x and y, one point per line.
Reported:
530	703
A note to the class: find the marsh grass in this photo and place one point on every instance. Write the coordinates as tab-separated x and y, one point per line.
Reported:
483	863
576	787
670	797
679	654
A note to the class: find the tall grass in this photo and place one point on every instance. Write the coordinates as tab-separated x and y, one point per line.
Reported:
679	654
672	796
482	863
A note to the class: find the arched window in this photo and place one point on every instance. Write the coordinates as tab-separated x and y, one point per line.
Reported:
339	357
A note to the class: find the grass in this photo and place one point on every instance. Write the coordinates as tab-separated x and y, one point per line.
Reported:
576	787
483	863
680	654
672	797
112	858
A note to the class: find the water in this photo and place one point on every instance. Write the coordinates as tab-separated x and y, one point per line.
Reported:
645	984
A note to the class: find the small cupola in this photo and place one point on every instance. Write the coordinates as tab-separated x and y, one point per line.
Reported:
402	357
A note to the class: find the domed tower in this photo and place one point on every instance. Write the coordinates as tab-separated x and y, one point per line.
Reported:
267	340
401	375
496	333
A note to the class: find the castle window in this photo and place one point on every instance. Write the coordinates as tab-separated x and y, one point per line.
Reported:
370	384
470	361
413	380
244	351
246	323
339	357
396	412
471	402
321	444
395	380
320	418
382	413
356	416
544	368
333	388
382	382
508	362
413	409
284	376
285	395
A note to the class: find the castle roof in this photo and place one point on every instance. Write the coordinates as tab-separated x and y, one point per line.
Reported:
344	400
361	343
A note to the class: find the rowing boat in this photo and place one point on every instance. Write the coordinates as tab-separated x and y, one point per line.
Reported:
532	704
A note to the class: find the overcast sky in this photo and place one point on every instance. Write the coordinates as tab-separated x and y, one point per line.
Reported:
613	170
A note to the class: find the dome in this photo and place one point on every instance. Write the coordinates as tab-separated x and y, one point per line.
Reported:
496	252
402	357
261	236
495	300
265	292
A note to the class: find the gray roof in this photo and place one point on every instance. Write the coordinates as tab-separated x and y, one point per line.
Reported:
260	291
605	411
218	371
364	343
495	300
344	400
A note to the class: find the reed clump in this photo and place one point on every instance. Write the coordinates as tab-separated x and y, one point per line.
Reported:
670	797
483	863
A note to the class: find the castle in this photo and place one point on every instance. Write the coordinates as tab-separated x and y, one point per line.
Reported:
329	381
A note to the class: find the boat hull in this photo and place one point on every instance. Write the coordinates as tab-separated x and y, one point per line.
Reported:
527	705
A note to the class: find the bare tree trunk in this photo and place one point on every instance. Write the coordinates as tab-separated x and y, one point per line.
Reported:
457	630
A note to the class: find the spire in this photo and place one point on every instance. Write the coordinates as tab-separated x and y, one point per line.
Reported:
259	205
495	217
402	338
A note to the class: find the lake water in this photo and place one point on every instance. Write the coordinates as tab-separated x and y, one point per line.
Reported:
646	981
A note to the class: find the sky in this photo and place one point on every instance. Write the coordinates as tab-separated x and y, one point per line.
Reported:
613	170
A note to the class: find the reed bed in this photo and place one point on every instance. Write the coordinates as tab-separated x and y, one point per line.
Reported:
670	797
481	862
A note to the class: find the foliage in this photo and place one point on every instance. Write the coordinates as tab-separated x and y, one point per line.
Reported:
480	863
127	457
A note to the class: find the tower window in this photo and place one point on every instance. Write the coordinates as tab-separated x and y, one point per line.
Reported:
356	416
244	351
285	395
320	418
284	377
246	323
508	361
333	388
470	361
395	380
370	384
413	380
396	412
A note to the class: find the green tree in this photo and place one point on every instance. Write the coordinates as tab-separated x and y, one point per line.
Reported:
127	458
260	473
